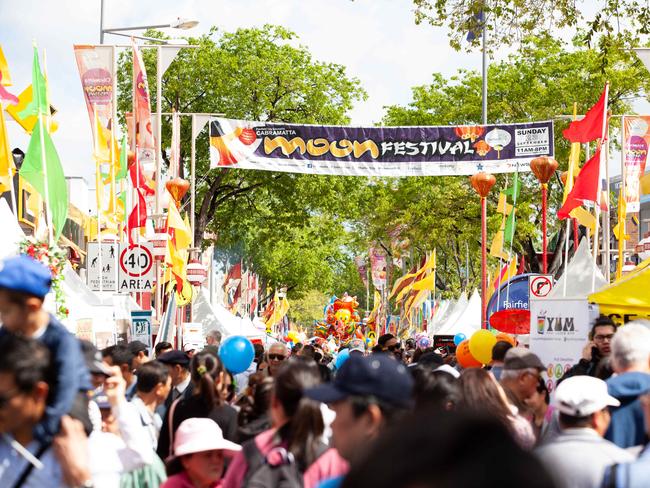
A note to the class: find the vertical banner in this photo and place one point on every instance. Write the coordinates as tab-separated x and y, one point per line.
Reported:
95	65
141	326
362	268
144	140
636	137
378	267
558	332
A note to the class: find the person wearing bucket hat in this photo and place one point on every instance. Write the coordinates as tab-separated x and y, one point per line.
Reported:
579	455
199	452
24	282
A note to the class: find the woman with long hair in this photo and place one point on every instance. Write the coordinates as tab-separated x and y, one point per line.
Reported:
294	443
483	395
210	389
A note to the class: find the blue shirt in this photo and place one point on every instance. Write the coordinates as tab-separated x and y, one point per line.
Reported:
12	465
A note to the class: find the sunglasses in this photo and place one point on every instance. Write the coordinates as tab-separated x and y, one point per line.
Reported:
394	347
277	357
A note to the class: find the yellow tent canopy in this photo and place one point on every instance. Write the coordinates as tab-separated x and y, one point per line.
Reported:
628	298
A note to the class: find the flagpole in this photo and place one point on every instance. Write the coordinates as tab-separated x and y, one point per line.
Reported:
569	181
46	190
606	216
622	194
98	198
484	86
598	193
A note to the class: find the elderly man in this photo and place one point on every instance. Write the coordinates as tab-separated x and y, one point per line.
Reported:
578	457
631	363
277	353
520	377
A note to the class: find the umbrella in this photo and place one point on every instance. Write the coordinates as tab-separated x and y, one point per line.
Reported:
511	321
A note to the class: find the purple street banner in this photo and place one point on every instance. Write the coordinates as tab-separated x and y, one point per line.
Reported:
378	151
636	136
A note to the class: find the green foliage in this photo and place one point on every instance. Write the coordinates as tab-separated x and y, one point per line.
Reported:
289	227
309	307
606	24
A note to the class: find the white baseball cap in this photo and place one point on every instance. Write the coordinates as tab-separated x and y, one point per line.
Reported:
190	346
445	368
201	434
580	396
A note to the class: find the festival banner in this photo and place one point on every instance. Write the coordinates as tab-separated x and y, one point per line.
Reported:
144	140
362	268
378	267
558	332
378	151
95	65
636	137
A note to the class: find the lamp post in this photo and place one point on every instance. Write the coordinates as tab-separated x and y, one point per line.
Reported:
544	168
482	184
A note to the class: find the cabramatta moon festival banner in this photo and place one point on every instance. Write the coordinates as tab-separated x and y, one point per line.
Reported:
378	151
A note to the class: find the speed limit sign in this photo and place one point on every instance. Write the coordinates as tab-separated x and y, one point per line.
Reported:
136	268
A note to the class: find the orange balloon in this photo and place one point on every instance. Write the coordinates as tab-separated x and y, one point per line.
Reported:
464	356
502	336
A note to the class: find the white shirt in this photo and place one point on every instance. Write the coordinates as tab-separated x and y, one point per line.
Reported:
150	421
112	455
182	386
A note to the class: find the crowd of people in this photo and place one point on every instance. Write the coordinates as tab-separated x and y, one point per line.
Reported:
397	415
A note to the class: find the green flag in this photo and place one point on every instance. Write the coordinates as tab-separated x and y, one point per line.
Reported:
42	160
509	231
513	191
124	159
38	105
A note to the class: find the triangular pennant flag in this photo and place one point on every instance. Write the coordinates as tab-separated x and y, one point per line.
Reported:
585	187
584	218
590	127
38	104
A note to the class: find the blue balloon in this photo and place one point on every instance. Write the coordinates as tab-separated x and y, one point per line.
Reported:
342	357
458	338
237	354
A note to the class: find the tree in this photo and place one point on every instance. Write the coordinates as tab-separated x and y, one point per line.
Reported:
607	24
308	308
540	82
287	225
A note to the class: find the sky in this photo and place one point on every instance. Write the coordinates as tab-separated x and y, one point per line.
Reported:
377	40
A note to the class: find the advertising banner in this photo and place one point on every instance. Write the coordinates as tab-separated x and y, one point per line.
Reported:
558	332
378	267
362	268
95	65
378	151
636	137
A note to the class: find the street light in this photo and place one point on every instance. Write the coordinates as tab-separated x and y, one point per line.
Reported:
179	23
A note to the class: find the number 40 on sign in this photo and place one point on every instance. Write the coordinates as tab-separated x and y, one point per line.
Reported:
136	271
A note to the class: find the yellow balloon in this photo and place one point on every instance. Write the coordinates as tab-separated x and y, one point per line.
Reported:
481	344
343	315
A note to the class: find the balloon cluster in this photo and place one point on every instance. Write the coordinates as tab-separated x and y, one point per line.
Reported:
477	350
341	320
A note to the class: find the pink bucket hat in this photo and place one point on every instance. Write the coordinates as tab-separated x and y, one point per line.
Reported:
201	434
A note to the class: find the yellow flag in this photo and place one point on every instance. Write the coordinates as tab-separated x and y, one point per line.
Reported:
182	232
102	150
584	218
574	161
7	168
496	249
619	228
28	123
503	206
427	283
645	184
4	70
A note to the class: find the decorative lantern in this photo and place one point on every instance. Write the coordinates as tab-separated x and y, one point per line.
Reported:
197	273
177	188
544	167
498	139
159	241
482	183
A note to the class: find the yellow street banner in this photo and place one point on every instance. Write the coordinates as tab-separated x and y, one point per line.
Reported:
627	299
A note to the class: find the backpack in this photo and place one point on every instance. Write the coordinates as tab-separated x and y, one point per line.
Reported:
283	471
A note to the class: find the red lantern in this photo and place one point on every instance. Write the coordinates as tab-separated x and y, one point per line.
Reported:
471	132
543	167
482	183
177	188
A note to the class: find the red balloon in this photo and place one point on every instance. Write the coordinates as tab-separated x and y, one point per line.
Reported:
464	356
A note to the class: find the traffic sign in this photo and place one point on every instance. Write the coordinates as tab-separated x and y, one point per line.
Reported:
136	273
141	326
101	263
540	285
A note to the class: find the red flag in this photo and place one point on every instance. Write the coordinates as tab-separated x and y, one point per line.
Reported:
138	178
590	127
138	216
585	186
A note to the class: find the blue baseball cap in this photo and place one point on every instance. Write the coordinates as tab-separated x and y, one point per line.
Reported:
25	275
377	375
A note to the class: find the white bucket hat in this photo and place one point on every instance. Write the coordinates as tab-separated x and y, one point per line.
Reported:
201	434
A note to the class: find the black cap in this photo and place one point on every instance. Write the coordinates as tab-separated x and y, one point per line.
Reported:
175	357
378	375
137	346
